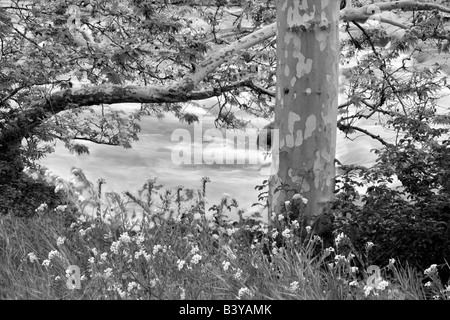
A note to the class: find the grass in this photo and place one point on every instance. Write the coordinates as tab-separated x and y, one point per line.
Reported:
182	257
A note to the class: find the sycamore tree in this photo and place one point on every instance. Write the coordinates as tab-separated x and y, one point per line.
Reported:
65	64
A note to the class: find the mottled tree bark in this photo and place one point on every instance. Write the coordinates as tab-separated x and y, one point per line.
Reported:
306	103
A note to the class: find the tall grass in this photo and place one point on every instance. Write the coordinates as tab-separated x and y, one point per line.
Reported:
184	256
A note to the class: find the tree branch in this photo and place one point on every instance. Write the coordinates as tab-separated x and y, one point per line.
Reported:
345	128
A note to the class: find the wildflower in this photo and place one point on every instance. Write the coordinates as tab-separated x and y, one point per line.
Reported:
274	250
53	254
180	264
238	274
83	277
286	233
32	257
115	247
354	283
132	285
340	258
196	258
182	294
225	265
369	245
46	263
139	239
194	250
121	293
391	262
350	256
82	232
382	285
61	208
328	251
295	224
274	234
353	269
57	278
367	290
60	241
42	208
436	297
273	216
244	292
340	237
428	284
156	248
108	272
431	269
231	231
94	251
125	238
316	238
293	286
91	260
280	217
308	229
103	256
81	219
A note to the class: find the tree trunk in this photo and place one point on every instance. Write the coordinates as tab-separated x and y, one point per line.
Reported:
306	103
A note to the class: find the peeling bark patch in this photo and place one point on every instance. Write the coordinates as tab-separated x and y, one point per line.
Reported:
292	118
299	138
310	126
304	65
317	170
286	70
293	81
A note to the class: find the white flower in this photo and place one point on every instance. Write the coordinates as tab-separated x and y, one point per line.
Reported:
340	258
103	256
244	292
431	269
367	290
60	208
32	257
354	283
196	258
391	261
382	285
369	245
340	237
238	274
57	278
115	247
108	272
42	207
295	224
225	265
82	232
274	250
182	294
280	217
125	238
308	229
286	233
194	250
180	264
156	248
60	241
94	251
428	284
46	263
353	269
274	234
293	286
91	260
53	254
83	277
